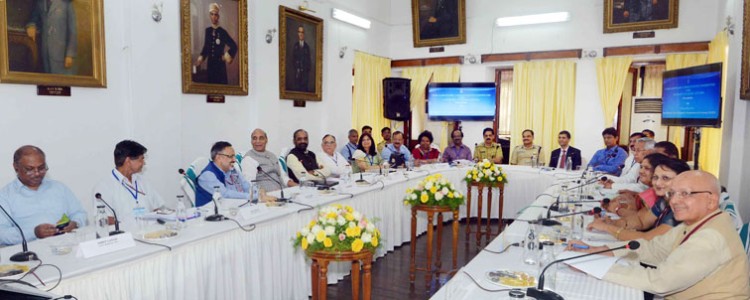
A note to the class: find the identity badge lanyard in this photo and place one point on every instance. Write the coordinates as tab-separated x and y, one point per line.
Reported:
132	190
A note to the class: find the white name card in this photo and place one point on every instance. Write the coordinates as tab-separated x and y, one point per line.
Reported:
253	209
105	245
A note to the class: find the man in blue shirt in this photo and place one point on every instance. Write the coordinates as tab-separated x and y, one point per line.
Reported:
220	173
349	149
397	154
611	158
39	205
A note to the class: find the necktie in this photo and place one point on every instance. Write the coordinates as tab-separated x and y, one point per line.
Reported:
563	158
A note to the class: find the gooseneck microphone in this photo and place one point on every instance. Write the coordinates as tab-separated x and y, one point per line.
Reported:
540	294
282	199
216	216
556	205
551	222
24	255
114	213
590	182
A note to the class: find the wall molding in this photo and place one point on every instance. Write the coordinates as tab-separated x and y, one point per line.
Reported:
555	54
656	49
433	61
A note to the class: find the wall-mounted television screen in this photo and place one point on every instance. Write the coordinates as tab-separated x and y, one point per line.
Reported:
467	101
692	96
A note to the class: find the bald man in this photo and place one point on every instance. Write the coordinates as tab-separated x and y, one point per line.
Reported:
702	258
42	207
259	156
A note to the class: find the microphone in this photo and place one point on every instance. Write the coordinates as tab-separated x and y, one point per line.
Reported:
540	294
282	199
216	216
591	181
24	255
550	222
556	206
117	221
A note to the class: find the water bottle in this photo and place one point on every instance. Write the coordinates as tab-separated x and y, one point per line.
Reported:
576	223
102	221
548	256
303	185
568	164
534	161
181	213
139	213
530	255
216	196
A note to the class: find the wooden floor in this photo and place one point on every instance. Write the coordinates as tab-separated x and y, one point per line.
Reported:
390	274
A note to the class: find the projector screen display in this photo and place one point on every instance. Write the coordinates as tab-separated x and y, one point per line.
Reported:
461	101
692	96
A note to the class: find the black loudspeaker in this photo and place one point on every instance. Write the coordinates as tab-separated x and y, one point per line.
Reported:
396	95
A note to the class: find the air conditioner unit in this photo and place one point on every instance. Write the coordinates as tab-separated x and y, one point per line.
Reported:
647	115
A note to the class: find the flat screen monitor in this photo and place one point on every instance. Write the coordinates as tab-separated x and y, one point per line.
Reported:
468	101
692	96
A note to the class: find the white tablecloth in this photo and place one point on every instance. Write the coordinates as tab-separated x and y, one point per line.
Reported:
219	261
470	282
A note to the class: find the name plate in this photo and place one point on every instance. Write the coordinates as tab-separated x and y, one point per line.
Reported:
106	245
251	210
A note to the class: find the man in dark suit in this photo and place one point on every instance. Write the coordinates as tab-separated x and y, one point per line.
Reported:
215	51
560	155
302	62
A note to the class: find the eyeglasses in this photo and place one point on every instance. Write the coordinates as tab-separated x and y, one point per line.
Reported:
663	178
684	194
226	155
31	170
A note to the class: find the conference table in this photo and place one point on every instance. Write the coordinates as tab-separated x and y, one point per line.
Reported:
217	260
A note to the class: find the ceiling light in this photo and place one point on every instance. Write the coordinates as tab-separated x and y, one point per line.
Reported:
351	18
533	19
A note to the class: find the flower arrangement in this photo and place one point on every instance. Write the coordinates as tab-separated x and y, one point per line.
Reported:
338	228
486	172
434	190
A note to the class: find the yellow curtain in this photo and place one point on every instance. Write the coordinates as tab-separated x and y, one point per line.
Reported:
679	61
652	81
420	77
506	96
543	101
367	101
611	73
709	157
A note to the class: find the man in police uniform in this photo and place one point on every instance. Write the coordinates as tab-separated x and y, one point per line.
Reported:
489	150
522	154
214	44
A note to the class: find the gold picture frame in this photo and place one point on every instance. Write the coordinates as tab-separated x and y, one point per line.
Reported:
628	15
75	57
214	53
299	77
436	23
744	76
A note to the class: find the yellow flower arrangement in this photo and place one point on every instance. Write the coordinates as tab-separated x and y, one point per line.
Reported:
434	190
338	228
486	172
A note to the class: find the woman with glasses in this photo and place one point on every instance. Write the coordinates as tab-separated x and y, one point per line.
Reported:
366	157
648	222
628	203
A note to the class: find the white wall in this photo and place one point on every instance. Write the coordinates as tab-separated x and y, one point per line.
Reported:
583	31
144	99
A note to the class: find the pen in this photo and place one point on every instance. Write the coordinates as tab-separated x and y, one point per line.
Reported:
577	246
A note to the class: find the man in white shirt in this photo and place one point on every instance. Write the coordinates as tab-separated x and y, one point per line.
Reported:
630	161
629	180
124	187
332	160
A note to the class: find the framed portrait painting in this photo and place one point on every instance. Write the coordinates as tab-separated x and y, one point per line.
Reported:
214	47
52	42
635	15
745	71
300	55
438	22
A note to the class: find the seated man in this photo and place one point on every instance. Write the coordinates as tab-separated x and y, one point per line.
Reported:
220	173
629	180
489	150
424	153
458	150
386	133
366	129
37	204
397	154
348	149
301	161
649	133
124	187
559	156
702	258
611	158
332	160
630	161
272	177
522	154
